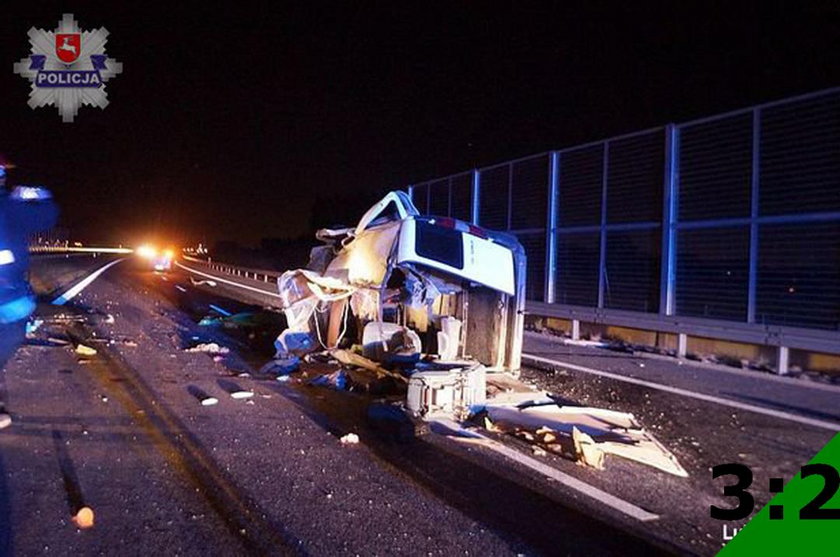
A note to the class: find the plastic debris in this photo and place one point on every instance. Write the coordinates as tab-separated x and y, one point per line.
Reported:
83	350
84	519
209	348
32	326
336	380
110	319
350	439
283	366
294	342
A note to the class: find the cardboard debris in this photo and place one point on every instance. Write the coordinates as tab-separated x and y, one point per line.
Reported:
83	350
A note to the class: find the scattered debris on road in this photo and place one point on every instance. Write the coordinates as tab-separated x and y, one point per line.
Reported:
84	518
202	282
32	326
209	348
350	439
582	433
83	350
235	390
203	397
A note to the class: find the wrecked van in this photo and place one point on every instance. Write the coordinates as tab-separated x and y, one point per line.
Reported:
412	287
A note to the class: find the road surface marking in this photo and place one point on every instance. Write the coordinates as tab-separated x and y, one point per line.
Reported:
230	282
224	312
561	477
833	426
84	283
181	288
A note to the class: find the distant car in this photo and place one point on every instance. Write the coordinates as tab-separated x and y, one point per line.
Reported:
162	262
159	260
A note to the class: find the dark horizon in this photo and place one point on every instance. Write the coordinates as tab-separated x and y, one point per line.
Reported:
227	124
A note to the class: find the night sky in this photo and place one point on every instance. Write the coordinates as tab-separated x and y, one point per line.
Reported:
228	122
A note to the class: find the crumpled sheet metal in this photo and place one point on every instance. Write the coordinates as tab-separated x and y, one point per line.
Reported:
364	261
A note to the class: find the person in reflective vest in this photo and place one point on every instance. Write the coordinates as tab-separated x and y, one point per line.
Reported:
23	212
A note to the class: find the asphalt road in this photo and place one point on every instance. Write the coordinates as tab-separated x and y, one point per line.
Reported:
122	432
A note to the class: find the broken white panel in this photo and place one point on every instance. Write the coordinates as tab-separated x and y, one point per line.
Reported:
595	432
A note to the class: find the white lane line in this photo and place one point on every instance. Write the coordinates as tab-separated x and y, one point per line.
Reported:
569	481
181	288
833	426
230	282
84	283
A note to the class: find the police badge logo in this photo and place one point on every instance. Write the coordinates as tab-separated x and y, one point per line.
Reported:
67	46
68	68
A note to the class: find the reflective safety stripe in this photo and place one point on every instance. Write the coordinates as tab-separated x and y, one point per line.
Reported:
17	309
6	257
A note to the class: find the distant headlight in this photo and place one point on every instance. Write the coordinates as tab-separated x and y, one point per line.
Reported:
146	252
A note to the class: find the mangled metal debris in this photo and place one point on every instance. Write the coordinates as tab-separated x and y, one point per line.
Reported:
403	285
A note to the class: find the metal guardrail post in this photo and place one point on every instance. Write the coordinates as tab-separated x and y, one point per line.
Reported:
682	345
754	192
782	360
551	225
602	259
667	283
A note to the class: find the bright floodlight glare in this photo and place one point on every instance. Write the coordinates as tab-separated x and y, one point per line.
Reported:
146	251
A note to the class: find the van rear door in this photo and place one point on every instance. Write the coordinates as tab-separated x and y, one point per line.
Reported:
456	252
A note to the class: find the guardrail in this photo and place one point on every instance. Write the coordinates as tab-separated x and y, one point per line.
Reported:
236	271
783	339
73	249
